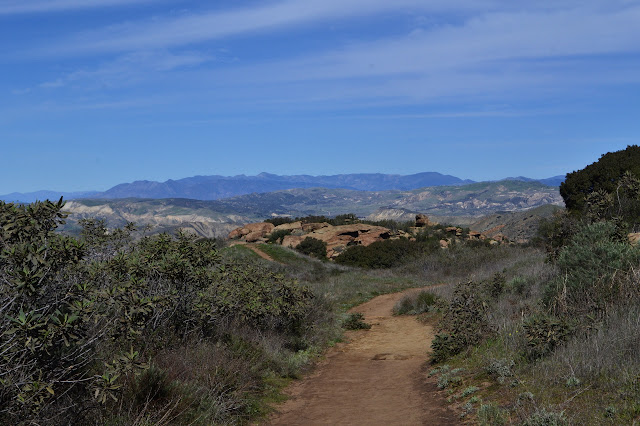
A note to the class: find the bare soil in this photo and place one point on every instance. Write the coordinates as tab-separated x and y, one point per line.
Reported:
378	377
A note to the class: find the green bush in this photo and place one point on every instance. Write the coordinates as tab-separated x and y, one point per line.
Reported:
542	417
415	303
84	320
544	333
607	188
464	323
384	254
592	266
313	247
491	415
355	321
277	236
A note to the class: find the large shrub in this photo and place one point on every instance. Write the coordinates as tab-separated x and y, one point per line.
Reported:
592	267
313	247
83	319
385	253
464	322
607	188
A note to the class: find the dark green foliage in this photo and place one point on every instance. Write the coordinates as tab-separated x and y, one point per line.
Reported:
277	236
464	322
313	247
83	319
495	287
591	265
553	234
385	254
607	188
355	321
544	333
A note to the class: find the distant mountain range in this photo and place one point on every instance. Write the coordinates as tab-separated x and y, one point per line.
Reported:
220	187
460	204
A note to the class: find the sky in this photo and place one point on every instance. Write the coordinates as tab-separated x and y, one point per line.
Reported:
94	93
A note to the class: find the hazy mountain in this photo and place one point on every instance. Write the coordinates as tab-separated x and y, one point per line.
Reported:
220	187
30	197
217	187
216	216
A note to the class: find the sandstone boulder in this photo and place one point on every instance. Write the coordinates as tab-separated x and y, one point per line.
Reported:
310	227
444	244
254	231
634	238
474	235
339	237
292	241
422	220
294	226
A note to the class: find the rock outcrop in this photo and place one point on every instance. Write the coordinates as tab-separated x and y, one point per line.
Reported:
422	221
252	232
337	238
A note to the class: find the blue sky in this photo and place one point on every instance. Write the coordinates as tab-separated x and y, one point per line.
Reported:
96	93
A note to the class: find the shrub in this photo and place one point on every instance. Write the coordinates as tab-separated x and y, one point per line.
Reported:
84	320
495	287
313	247
384	254
491	415
277	236
517	285
544	332
614	175
542	417
355	321
464	320
470	390
501	369
592	266
415	303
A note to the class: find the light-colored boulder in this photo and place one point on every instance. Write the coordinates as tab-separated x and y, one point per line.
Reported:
252	231
292	241
634	238
310	227
288	227
444	244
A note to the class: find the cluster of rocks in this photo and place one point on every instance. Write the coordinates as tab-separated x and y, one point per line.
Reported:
339	237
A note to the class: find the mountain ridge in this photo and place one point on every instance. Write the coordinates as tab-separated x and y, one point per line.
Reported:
215	187
472	200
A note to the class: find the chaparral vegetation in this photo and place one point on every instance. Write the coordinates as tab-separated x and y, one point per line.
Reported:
121	326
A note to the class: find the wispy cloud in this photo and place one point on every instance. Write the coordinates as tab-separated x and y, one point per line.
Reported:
274	16
13	7
130	68
497	19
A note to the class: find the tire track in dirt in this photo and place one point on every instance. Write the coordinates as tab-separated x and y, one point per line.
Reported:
378	377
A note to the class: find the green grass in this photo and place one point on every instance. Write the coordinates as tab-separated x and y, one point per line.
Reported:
283	254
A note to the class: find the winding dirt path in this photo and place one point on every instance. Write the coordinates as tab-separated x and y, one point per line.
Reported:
377	378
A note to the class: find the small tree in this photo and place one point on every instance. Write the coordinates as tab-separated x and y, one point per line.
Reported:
313	247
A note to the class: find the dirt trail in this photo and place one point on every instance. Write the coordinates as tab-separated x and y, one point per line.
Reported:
376	378
254	248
